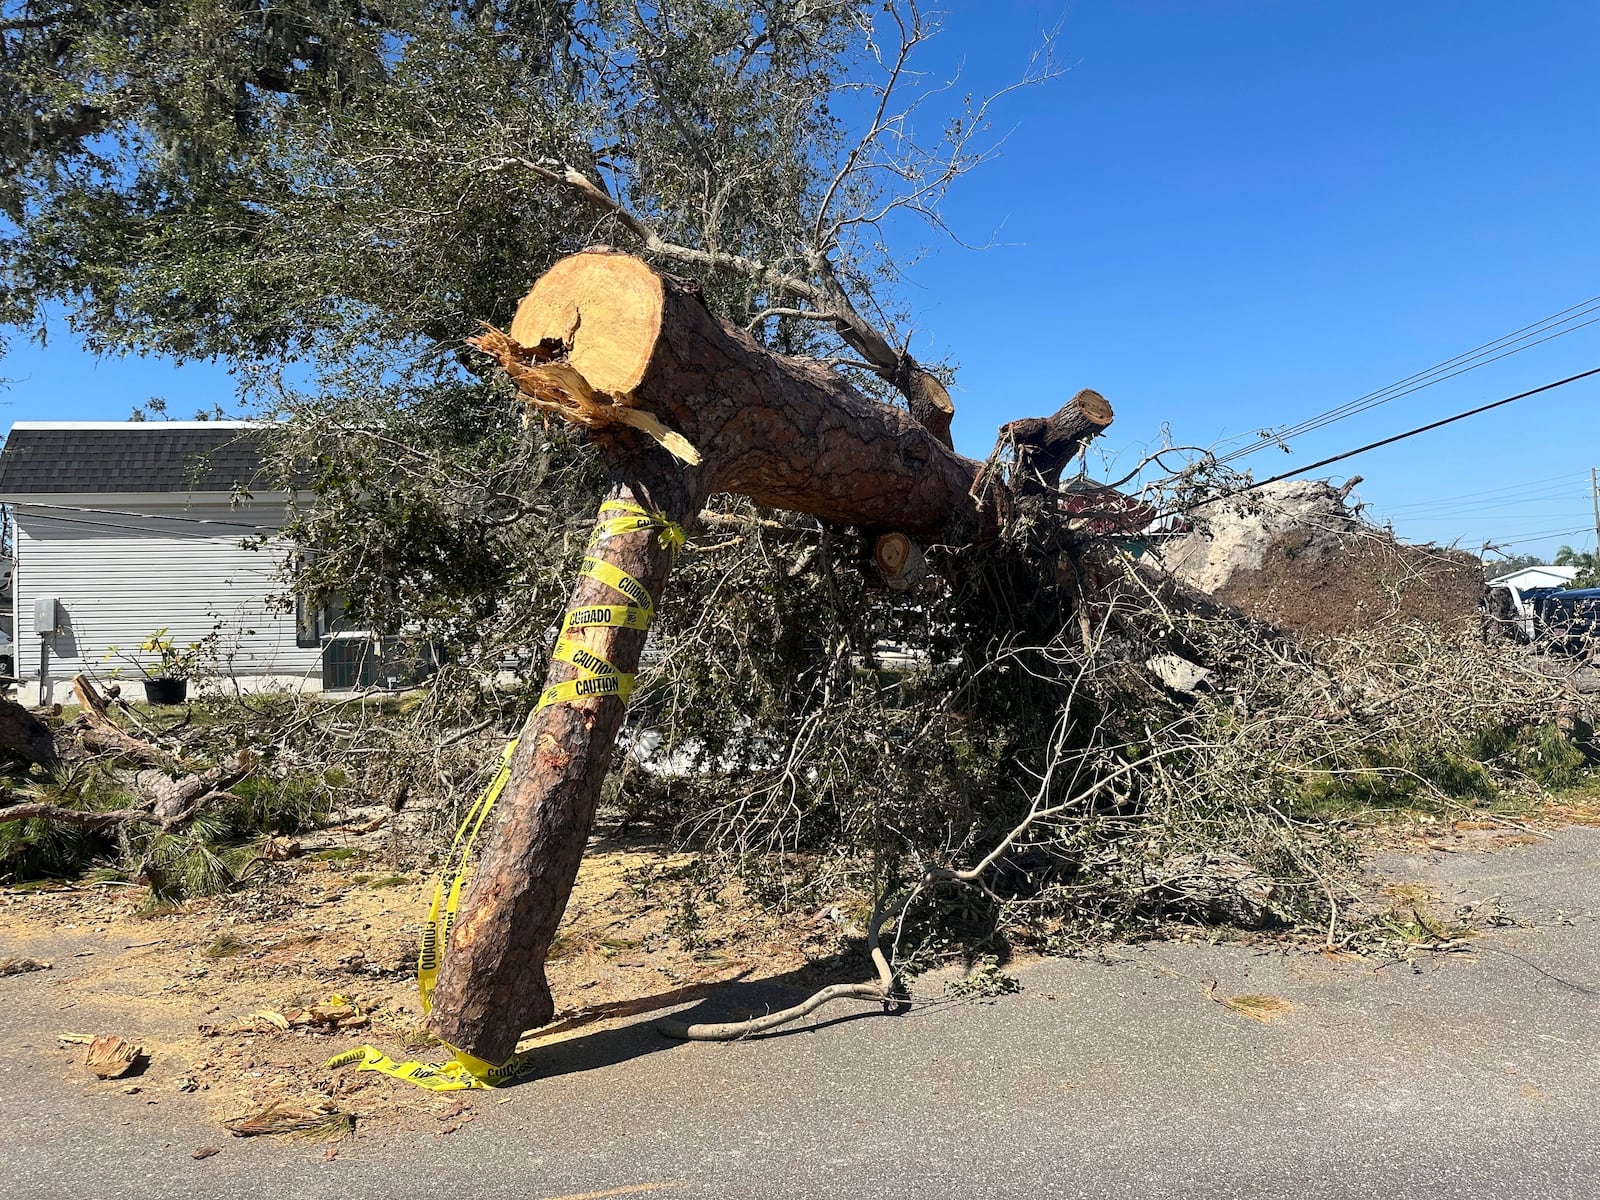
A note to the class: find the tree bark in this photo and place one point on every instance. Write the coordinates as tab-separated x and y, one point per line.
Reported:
1045	445
605	341
492	983
603	338
25	737
101	733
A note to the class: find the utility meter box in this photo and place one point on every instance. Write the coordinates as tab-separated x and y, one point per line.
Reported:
47	616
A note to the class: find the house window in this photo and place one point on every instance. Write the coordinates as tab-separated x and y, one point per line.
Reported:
308	625
312	623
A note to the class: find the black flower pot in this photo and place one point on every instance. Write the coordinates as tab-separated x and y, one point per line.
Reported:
166	691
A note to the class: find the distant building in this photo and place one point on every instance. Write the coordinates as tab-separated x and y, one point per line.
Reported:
126	528
1536	577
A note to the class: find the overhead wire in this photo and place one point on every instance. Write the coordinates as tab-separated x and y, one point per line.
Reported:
1388	441
1469	360
1540	536
1531	487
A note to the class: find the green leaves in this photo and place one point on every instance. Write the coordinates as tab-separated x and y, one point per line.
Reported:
1587	562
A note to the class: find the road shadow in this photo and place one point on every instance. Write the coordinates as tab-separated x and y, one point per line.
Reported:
729	1000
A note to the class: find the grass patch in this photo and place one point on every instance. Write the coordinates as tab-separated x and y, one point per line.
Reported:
1258	1006
225	946
338	854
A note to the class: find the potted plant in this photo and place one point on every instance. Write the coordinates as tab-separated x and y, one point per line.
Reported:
166	681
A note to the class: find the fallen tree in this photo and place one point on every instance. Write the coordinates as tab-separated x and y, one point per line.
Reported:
377	217
169	790
683	406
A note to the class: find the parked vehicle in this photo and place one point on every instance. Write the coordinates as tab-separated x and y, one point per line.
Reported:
1561	618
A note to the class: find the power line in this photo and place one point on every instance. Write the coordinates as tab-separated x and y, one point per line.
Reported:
1428	428
1388	441
1512	506
1508	501
1523	487
1538	537
1449	369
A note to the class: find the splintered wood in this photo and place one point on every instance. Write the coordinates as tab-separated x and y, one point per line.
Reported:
111	1057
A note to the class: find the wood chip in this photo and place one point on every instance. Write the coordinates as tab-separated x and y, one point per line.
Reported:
314	1124
111	1057
278	849
205	1152
332	1012
21	966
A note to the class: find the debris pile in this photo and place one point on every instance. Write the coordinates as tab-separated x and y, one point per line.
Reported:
1294	554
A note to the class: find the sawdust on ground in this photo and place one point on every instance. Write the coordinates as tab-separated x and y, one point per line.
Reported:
206	988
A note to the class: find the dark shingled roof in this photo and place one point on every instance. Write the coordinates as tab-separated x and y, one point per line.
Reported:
134	457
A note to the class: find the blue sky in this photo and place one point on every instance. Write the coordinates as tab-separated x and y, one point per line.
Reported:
1230	215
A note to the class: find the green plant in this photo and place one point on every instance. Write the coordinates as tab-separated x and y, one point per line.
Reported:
172	660
280	804
1587	562
985	981
1541	752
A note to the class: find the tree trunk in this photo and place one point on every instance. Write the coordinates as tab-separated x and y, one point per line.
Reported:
492	982
605	341
1045	445
25	737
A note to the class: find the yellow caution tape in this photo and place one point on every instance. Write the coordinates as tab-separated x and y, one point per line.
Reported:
634	519
615	577
620	616
596	677
442	908
458	1075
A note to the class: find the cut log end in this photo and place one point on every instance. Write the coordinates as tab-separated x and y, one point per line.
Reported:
899	560
605	308
1094	407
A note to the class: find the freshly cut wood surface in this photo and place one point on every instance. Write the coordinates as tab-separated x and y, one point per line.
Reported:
111	1057
604	309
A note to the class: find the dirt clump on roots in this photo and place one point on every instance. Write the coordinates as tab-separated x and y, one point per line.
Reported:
1366	581
1297	556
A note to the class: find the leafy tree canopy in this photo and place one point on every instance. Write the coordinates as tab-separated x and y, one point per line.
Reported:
1493	567
1587	562
331	195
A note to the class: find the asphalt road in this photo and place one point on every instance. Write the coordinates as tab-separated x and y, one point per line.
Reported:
1469	1075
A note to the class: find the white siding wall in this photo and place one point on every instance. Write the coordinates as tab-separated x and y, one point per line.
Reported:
121	578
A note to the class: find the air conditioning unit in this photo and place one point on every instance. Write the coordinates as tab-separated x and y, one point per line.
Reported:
359	661
350	662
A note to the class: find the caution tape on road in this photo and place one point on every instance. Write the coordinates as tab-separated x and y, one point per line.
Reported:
595	677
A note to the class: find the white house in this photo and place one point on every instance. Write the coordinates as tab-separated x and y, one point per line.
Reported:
126	528
1536	577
